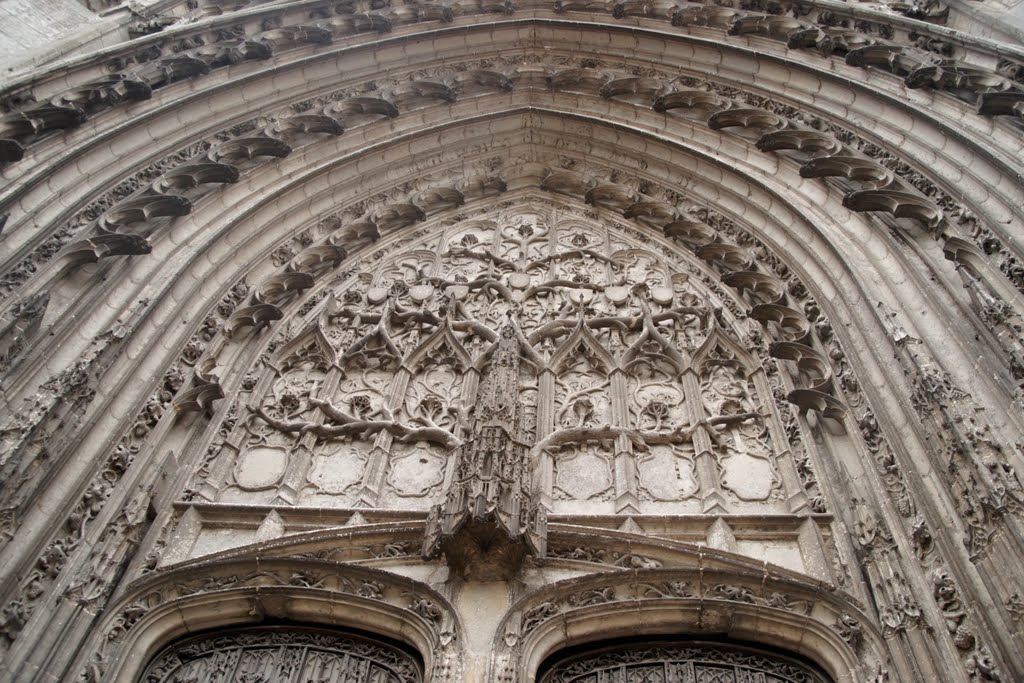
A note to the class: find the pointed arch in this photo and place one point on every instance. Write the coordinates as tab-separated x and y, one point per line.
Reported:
443	336
642	122
309	339
582	336
718	339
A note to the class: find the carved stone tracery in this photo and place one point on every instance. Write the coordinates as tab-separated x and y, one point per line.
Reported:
604	348
580	327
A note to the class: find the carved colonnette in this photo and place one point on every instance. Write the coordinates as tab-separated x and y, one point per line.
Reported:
983	484
97	543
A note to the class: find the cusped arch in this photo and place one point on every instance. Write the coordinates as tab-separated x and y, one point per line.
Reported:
706	595
443	336
653	337
312	339
718	340
582	336
845	258
528	353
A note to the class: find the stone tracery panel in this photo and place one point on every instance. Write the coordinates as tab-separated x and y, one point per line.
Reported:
634	385
743	447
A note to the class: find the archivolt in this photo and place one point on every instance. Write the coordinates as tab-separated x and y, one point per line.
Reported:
209	594
322	176
313	179
419	91
707	594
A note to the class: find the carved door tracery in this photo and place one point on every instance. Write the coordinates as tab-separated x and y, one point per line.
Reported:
634	381
683	663
282	655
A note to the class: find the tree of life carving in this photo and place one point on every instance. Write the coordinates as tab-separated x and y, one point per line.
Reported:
621	356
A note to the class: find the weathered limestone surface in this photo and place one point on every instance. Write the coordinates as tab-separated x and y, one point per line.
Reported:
492	341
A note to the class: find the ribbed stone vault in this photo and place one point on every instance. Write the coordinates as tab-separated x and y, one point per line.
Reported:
837	206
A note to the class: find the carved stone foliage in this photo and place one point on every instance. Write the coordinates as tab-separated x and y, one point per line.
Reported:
116	545
18	326
871	178
983	482
283	654
254	654
381	379
30	437
662	585
977	659
625	560
690	662
886	465
120	538
712	597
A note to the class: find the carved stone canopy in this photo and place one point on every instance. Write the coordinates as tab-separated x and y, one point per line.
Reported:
490	520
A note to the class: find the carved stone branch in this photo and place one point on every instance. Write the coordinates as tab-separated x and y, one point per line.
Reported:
482	256
403	433
624	322
351	426
583	434
484	283
642	439
568	284
279	425
333	412
403	315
